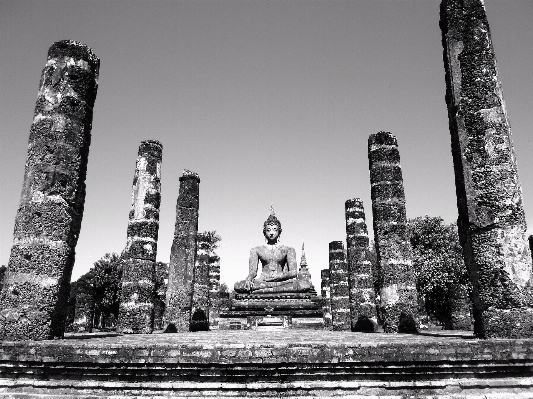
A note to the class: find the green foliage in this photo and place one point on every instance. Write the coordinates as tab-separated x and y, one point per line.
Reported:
441	275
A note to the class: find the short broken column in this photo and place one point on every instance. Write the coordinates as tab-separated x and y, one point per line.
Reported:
34	298
492	225
183	255
138	258
325	291
360	282
338	283
398	296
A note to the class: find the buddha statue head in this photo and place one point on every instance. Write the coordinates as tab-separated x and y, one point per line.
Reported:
272	228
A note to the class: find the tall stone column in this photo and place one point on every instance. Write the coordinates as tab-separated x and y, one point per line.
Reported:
338	283
398	297
47	225
492	225
200	296
531	246
138	258
183	255
214	288
326	298
363	315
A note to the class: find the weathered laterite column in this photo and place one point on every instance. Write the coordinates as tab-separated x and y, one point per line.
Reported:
200	296
531	246
398	302
138	258
182	255
214	288
338	283
35	294
362	297
492	225
326	297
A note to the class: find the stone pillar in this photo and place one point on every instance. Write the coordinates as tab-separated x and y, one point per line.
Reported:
47	225
398	297
214	288
182	255
338	282
363	315
200	296
326	298
492	225
531	246
138	258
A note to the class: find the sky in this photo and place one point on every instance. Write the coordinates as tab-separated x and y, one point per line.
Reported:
270	102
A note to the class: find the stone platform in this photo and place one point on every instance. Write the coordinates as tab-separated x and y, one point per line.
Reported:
287	363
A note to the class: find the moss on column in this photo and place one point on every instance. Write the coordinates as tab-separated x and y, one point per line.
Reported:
35	294
492	225
183	255
325	291
363	315
338	282
398	296
138	258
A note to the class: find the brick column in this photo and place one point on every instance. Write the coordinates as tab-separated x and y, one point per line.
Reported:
138	258
326	298
531	246
338	282
47	225
363	315
492	225
183	254
200	296
214	288
398	300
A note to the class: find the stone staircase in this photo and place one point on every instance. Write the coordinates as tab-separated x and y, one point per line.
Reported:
238	364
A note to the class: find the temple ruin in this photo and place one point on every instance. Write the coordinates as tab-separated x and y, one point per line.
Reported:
139	256
492	225
398	302
183	255
338	285
35	293
363	314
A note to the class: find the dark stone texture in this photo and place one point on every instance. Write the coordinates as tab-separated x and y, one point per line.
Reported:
138	258
214	287
338	283
248	364
531	246
183	254
492	226
398	297
35	295
200	297
362	297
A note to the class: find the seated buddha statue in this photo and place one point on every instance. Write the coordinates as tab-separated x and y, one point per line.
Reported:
278	266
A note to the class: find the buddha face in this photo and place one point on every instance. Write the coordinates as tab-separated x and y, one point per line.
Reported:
272	233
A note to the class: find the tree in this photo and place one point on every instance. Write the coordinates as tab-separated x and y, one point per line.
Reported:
106	282
441	275
97	295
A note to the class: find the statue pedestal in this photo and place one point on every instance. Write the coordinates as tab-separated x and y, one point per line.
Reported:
273	311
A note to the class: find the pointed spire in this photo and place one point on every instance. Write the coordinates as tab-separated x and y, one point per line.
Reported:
272	213
303	261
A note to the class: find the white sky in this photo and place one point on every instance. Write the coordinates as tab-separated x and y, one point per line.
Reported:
268	101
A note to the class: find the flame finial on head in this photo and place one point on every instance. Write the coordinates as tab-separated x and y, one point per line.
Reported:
272	219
